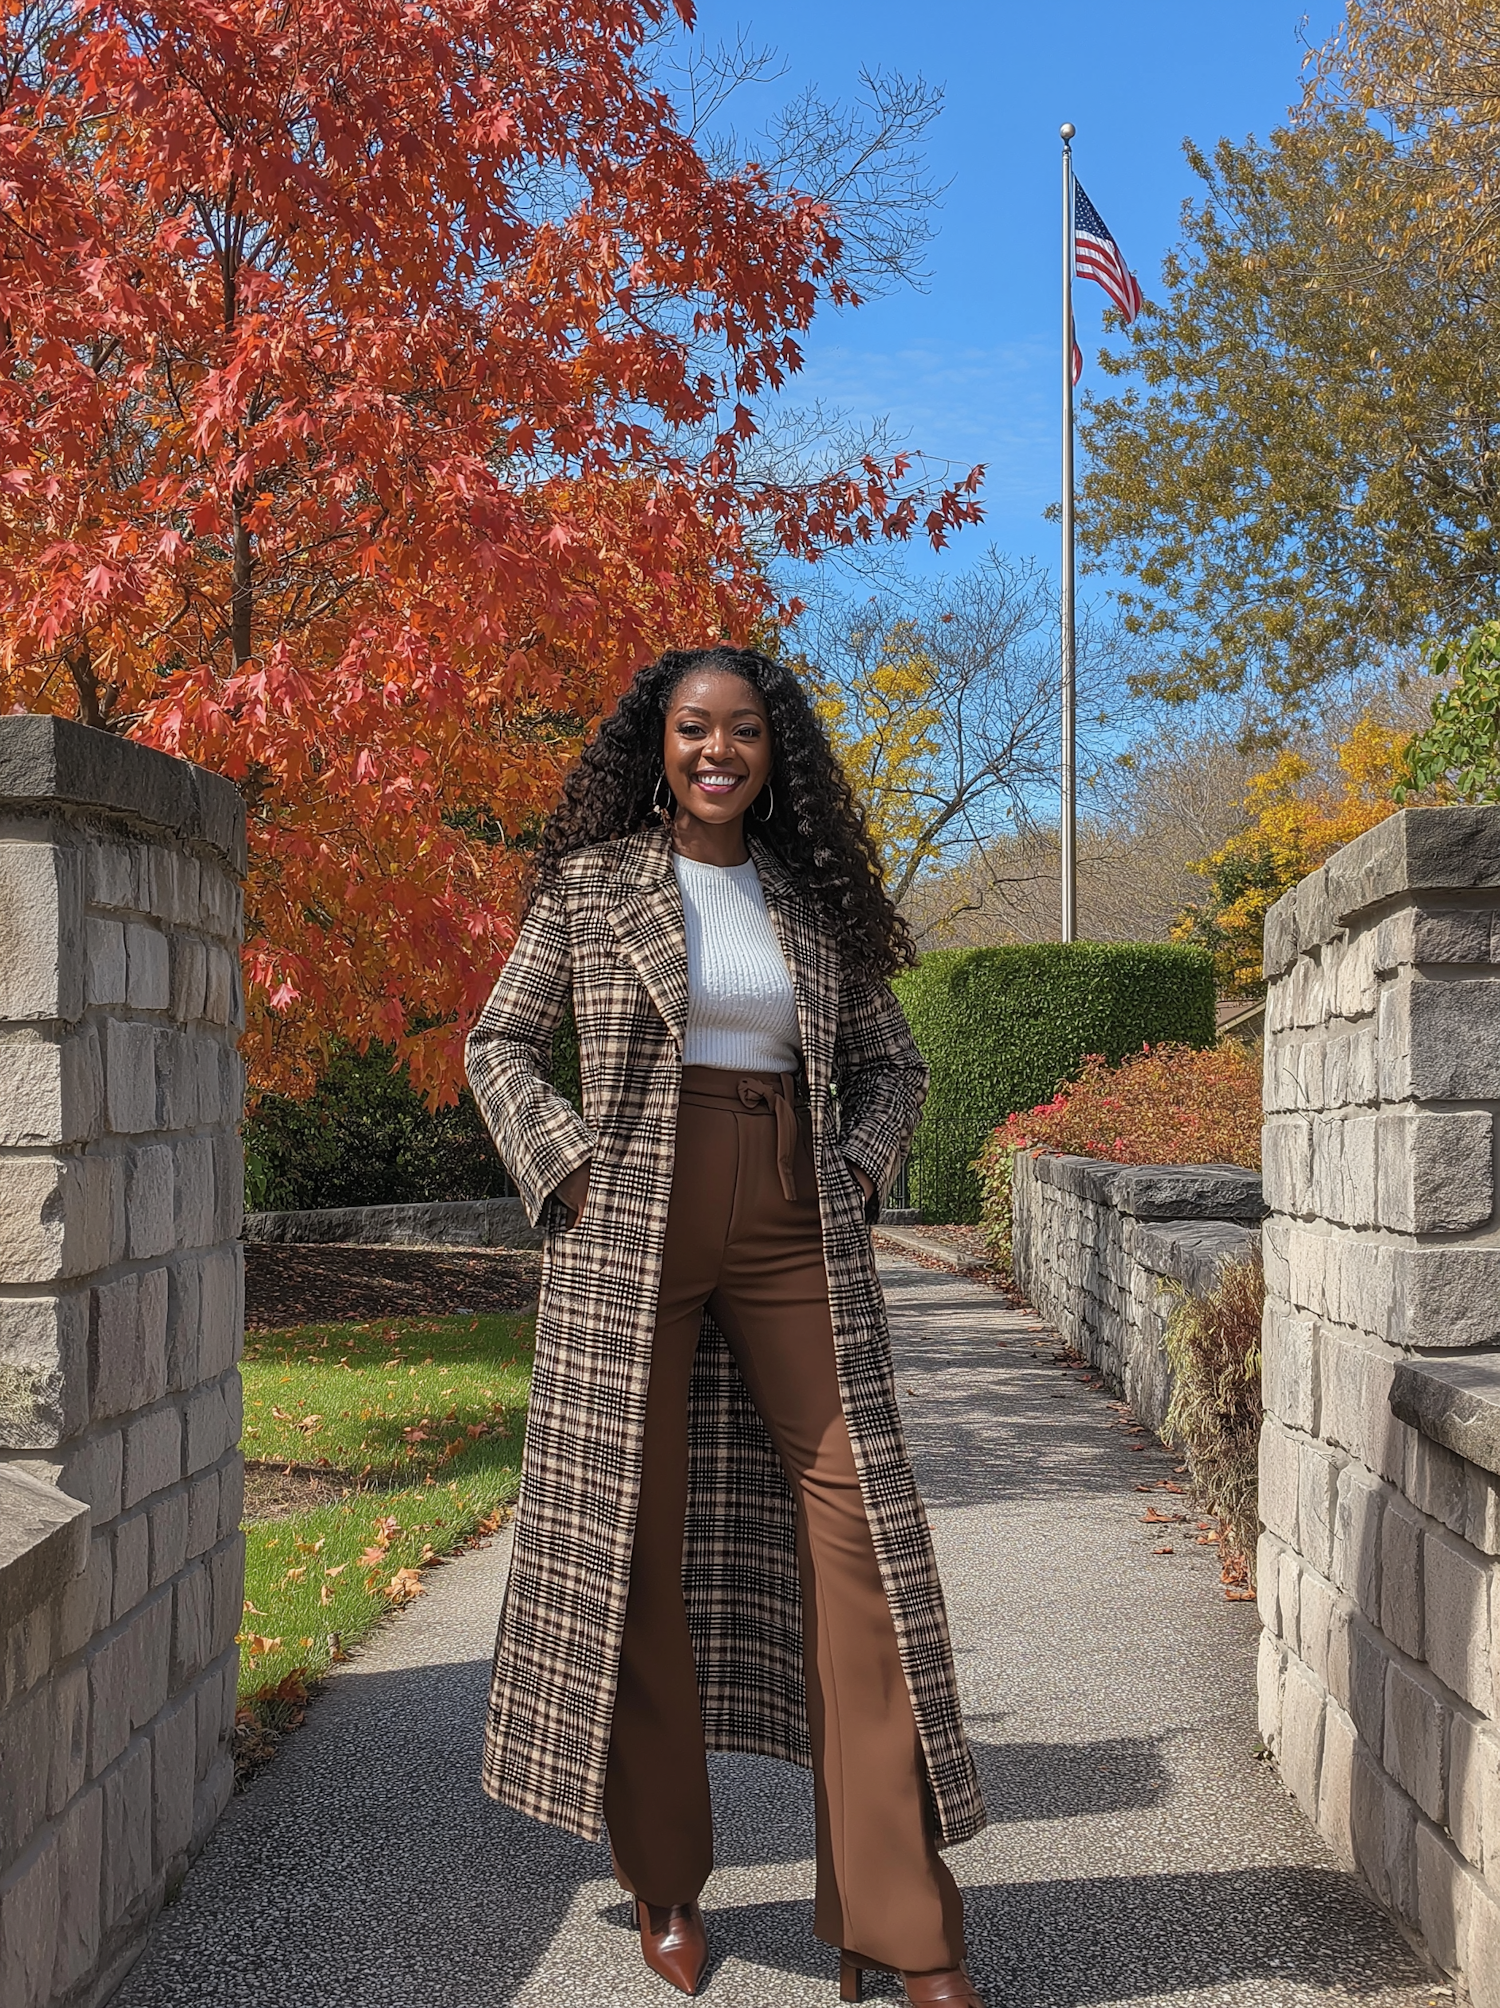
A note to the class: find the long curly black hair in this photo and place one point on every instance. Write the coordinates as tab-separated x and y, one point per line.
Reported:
816	827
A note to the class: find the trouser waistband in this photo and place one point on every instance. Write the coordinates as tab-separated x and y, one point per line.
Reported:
778	1095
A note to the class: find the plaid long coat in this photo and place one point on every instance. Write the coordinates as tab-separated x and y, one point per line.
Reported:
610	934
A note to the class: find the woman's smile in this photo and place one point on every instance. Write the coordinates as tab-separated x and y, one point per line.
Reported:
717	781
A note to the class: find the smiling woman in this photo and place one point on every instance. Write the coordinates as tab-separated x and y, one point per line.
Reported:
713	1403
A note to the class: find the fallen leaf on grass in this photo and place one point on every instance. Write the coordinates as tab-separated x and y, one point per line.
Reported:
338	1571
373	1557
404	1585
252	1610
257	1645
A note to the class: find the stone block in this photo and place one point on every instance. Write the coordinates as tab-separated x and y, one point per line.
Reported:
44	1369
189	977
130	1077
68	1718
25	1760
212	1796
149	1201
1416	1731
219	986
1436	1170
1336	1783
132	1558
1270	1678
1315	1611
217	1695
1317	1500
176	1081
169	1529
194	1188
1368	1791
118	875
80	1862
192	1624
128	1343
231	1496
149	967
127	1876
229	1187
1468	1745
203	1512
1481	1510
1286	1174
226	1568
1444	1889
210	1427
41	929
174	1743
1453	1029
1279	1480
128	1673
1483	1974
104	948
50	1087
184	1317
1356	1537
1434	1482
28	1926
1444	1297
1288	1371
1401	1591
153	1453
222	1331
82	1607
1301	1747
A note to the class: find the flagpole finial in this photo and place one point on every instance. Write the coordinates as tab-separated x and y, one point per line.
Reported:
1067	129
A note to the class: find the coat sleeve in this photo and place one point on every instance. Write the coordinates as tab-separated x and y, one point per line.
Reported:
882	1084
540	1136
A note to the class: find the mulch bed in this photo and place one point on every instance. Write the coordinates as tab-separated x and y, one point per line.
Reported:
288	1284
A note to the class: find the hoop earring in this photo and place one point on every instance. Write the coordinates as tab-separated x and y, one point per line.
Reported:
665	811
770	805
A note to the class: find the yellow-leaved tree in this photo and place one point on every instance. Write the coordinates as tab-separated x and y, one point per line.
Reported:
1295	822
885	724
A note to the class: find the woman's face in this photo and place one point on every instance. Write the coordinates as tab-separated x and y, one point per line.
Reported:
717	746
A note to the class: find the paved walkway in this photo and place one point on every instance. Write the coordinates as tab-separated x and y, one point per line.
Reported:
1137	1850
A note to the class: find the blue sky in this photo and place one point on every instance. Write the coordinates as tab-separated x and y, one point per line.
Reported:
968	369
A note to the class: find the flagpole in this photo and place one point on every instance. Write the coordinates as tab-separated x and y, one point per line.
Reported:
1069	647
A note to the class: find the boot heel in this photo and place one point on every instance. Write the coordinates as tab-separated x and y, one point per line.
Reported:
851	1978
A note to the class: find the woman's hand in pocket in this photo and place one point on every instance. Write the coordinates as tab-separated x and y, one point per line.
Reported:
572	1195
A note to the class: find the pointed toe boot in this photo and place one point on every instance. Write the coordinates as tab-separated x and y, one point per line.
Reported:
673	1942
951	1988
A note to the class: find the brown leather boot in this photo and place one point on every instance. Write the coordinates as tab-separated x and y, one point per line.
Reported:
673	1942
951	1988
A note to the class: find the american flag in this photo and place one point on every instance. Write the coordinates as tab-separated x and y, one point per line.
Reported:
1096	256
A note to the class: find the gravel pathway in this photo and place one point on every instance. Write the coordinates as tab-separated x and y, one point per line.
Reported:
1137	1853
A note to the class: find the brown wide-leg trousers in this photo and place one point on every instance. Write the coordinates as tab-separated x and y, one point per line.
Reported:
737	1243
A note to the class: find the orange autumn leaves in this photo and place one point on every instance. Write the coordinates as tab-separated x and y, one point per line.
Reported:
375	388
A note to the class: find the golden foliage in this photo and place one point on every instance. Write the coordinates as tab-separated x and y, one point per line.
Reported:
1294	825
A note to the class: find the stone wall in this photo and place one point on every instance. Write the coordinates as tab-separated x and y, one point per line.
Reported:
453	1223
1101	1251
121	1313
1379	1584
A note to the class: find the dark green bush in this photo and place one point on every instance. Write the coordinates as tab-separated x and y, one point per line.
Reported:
365	1137
1003	1028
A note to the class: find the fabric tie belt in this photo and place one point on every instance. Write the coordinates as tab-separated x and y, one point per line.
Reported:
756	1095
778	1095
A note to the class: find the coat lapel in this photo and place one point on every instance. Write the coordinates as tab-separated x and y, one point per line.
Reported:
647	920
812	958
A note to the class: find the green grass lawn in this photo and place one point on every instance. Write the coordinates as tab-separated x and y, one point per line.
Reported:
427	1415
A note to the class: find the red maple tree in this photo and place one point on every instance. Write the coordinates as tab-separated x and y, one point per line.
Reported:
375	381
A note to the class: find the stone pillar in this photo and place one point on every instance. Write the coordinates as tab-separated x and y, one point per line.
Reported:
1378	1580
121	1317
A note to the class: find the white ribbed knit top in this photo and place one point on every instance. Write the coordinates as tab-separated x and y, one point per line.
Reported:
742	1010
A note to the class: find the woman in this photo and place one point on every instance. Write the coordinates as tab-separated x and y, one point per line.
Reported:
719	1543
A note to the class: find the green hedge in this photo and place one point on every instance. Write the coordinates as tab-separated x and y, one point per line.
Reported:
1003	1028
365	1137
